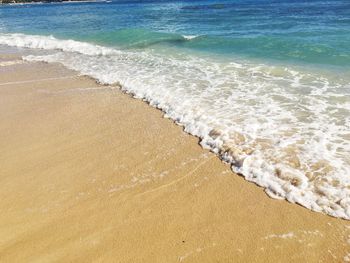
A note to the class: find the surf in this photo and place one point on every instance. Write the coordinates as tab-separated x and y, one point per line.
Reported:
283	128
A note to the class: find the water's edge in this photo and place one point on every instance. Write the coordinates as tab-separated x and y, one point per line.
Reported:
210	137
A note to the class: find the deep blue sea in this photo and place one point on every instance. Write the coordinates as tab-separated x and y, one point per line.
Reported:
265	84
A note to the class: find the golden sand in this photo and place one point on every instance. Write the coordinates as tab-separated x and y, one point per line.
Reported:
89	174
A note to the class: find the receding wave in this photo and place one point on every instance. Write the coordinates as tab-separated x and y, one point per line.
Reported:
283	128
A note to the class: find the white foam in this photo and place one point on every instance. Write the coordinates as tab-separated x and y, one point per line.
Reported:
190	37
283	236
284	129
11	63
51	43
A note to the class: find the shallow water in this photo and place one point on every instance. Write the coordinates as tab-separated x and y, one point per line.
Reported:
264	84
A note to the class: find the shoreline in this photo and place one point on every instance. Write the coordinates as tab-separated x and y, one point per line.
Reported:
290	176
91	174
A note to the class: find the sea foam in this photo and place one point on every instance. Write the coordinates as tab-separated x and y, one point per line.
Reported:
189	37
283	128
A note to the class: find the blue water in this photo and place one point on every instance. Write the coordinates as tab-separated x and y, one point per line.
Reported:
288	31
264	84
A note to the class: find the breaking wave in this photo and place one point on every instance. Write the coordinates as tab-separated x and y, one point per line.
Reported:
286	129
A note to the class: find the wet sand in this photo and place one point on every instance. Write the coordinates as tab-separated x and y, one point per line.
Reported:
89	174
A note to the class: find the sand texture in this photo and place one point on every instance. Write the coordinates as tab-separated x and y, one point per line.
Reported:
89	174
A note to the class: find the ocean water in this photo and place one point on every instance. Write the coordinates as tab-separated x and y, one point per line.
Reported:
265	84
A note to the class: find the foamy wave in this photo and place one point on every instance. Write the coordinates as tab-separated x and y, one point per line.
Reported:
51	43
189	37
285	130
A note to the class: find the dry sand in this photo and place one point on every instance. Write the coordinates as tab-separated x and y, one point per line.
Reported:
89	174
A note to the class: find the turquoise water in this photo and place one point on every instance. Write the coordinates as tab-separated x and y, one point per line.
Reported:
315	32
264	84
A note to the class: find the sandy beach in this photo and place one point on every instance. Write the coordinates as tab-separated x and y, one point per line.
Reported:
90	174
